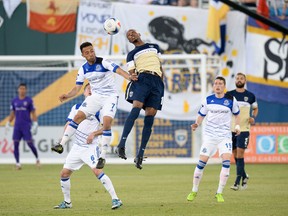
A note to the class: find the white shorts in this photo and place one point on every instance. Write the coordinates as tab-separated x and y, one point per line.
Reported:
80	155
210	146
107	104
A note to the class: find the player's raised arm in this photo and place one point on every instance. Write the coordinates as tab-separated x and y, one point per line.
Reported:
73	92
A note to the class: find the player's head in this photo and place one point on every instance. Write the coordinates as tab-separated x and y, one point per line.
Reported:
133	36
22	89
87	90
240	80
88	52
219	85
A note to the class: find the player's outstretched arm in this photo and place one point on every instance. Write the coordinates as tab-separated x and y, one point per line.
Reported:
93	135
237	128
131	76
198	121
73	92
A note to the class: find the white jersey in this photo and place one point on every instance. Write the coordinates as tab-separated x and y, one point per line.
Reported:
100	75
85	128
218	112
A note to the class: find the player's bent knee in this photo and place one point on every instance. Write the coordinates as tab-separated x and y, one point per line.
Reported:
79	117
65	173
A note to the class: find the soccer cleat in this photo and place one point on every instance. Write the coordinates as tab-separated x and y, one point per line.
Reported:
235	187
120	151
191	196
219	197
138	162
116	203
57	148
244	182
18	167
101	163
63	205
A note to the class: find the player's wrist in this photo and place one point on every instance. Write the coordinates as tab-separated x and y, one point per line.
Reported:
237	127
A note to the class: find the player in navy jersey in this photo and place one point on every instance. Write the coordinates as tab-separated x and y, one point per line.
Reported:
100	74
85	150
23	110
218	110
147	92
247	101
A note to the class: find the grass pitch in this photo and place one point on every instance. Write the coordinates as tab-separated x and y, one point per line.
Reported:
155	190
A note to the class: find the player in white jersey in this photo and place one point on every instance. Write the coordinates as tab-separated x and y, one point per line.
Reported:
85	150
100	74
218	109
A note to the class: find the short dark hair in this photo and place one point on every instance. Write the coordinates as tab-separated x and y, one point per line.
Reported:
85	44
241	74
221	78
22	84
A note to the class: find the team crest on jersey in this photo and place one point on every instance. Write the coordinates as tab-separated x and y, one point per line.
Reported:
246	99
181	137
226	103
84	104
131	93
25	103
98	67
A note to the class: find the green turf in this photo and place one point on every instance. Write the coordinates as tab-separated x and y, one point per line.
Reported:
155	190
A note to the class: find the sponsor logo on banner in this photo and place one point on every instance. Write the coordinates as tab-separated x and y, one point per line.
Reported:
181	137
283	144
265	144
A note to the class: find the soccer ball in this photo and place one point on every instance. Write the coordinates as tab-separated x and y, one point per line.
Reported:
112	26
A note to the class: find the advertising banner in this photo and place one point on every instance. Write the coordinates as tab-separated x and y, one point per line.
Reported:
169	139
268	144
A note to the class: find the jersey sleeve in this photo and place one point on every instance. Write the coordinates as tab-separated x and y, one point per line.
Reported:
130	62
203	109
235	107
254	102
31	105
12	107
80	76
110	65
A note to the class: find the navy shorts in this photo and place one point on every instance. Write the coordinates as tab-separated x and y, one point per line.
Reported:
240	141
148	89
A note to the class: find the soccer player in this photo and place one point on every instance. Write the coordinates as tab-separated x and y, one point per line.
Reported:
100	74
146	93
247	101
219	109
23	110
85	150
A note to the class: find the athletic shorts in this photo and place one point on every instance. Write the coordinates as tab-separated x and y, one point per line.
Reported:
210	146
107	104
22	133
80	155
240	141
149	89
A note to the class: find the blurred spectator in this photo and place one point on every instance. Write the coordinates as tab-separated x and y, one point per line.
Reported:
278	8
182	3
141	1
194	3
249	3
164	2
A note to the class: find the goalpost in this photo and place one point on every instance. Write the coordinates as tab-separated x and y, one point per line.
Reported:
188	80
